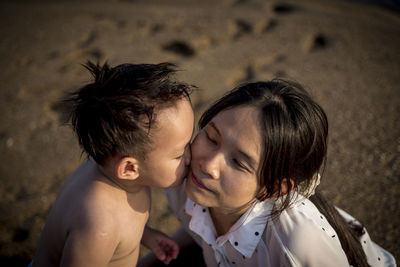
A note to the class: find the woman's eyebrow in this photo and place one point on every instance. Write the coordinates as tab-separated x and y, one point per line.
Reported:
212	124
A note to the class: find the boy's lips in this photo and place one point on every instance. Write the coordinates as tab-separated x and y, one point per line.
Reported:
197	182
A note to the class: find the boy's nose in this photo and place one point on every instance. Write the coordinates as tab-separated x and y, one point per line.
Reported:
187	155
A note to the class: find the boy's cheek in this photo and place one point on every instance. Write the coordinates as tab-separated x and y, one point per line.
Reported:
185	171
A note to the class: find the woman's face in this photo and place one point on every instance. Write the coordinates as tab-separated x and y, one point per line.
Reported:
225	159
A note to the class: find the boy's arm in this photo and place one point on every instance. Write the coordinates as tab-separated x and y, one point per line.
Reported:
180	236
163	247
183	238
90	244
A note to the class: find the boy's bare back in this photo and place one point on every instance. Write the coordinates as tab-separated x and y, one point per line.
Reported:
94	222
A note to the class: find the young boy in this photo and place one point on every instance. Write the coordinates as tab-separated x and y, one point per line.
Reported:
135	123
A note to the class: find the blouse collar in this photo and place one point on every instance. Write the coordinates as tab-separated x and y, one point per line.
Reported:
244	235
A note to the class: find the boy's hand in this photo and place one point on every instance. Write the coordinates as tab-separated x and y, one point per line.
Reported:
163	247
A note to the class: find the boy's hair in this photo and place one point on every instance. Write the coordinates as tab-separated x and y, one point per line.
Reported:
113	115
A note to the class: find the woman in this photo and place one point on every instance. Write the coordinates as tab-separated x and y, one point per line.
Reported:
248	200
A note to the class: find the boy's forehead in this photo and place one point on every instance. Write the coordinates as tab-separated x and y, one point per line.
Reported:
160	113
174	124
174	112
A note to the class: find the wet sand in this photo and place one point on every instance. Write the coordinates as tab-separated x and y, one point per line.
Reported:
346	53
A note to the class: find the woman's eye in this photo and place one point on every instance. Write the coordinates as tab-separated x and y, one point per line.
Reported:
210	139
239	164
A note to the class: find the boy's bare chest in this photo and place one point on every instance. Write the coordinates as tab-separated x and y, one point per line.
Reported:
127	251
129	259
132	223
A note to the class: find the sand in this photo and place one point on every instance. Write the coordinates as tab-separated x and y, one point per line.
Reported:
346	53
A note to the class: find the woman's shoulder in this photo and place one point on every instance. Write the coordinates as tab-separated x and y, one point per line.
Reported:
301	215
305	236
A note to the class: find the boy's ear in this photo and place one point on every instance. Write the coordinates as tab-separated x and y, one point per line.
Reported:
127	168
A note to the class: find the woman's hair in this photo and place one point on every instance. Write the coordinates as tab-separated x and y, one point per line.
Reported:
348	234
114	113
294	129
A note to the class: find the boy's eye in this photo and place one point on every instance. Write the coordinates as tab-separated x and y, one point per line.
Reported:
181	156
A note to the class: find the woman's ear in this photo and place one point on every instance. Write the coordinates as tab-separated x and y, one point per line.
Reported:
287	185
127	168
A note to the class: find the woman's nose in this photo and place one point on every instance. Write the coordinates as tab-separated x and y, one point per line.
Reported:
210	166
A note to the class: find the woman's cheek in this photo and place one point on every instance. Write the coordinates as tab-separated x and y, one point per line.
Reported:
196	146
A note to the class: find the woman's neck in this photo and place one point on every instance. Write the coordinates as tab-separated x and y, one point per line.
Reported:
224	219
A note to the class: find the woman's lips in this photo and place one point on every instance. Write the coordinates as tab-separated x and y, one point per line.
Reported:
197	182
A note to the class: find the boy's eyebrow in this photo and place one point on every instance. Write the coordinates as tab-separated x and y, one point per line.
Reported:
188	143
250	161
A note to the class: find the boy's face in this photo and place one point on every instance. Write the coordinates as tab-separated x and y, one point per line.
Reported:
168	162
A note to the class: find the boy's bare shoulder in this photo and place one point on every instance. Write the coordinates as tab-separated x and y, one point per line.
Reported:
90	200
101	216
100	203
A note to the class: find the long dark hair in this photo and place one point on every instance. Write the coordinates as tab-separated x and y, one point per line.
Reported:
348	234
294	130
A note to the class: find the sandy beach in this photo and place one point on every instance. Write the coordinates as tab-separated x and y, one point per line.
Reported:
346	53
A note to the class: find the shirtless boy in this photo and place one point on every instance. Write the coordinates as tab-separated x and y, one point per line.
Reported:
135	123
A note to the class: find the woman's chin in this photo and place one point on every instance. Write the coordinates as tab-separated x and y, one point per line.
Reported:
196	195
